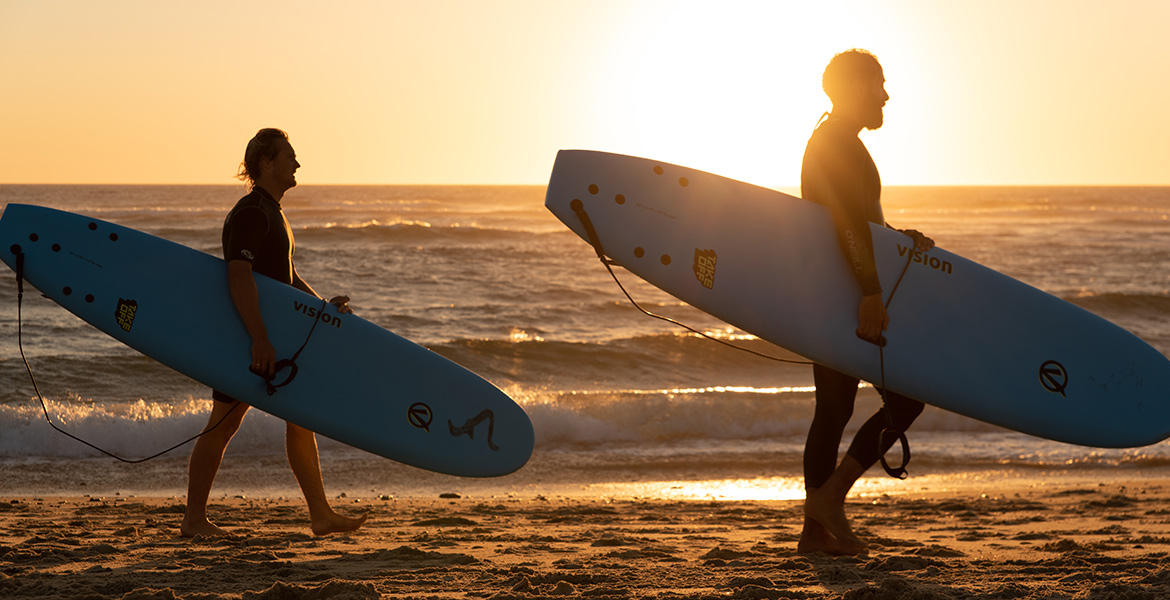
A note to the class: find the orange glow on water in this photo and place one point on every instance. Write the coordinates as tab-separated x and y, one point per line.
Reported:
771	488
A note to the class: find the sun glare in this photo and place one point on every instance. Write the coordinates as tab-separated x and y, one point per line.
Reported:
728	490
761	489
731	88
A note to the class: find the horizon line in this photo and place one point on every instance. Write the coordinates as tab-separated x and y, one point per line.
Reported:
782	186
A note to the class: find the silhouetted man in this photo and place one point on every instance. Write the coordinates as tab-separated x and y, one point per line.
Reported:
839	173
258	239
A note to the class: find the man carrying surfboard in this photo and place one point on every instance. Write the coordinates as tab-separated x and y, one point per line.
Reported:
839	173
258	239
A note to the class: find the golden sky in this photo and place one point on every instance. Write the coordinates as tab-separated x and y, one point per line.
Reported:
486	91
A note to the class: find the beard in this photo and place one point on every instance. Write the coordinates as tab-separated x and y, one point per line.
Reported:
874	119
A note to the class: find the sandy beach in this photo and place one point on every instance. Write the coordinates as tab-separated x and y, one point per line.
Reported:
1027	540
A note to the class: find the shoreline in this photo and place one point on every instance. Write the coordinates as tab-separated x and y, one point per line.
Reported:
685	475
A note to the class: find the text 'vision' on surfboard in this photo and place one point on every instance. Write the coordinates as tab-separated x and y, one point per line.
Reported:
314	312
933	262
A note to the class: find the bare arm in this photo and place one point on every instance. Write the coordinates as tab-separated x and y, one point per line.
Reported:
341	302
246	299
301	284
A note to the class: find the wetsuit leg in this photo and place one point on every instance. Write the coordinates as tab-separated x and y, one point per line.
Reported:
835	395
865	447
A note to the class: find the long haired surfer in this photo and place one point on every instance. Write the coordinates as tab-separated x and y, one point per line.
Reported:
258	239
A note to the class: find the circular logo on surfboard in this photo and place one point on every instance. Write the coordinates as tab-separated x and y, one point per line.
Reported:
420	416
1053	377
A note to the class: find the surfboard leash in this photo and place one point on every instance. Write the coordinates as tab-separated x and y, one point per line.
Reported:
291	363
898	472
579	208
41	398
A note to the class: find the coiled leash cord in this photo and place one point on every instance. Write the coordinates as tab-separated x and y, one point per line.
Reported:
899	472
41	398
289	362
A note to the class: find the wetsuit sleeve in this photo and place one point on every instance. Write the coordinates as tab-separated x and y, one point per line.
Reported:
833	176
244	231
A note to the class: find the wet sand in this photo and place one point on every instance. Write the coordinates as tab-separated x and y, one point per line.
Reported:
1033	540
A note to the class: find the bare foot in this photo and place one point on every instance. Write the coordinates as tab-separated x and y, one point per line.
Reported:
335	523
831	517
815	538
202	527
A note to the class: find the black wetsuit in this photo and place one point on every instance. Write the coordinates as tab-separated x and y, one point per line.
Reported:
839	173
256	231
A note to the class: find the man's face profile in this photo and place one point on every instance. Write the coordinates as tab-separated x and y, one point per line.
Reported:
871	99
283	166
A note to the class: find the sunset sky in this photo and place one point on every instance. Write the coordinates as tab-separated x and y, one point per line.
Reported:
486	91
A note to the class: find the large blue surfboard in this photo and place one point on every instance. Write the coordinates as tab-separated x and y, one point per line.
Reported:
962	337
355	382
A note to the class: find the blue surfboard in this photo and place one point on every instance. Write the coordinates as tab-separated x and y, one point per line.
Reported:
354	381
962	337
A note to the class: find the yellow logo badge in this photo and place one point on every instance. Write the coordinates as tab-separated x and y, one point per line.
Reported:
705	267
124	314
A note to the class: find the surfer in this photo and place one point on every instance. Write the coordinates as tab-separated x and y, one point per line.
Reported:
839	173
257	238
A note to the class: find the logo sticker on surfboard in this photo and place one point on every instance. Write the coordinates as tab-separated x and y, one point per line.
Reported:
705	267
124	313
420	416
1053	377
468	428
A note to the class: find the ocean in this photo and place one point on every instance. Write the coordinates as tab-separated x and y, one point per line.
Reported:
622	404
